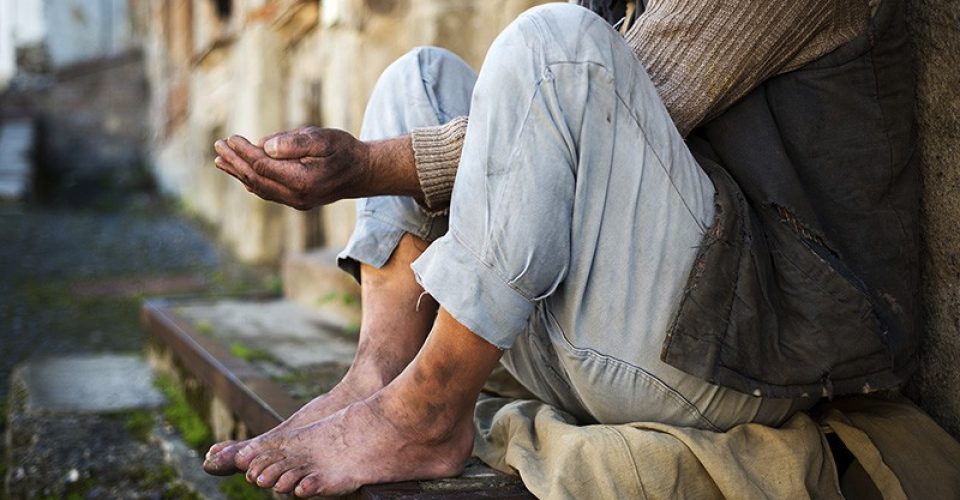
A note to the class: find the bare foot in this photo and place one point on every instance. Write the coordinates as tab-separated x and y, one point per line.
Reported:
371	441
419	426
220	459
395	323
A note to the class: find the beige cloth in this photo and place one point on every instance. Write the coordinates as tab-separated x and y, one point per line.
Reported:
904	453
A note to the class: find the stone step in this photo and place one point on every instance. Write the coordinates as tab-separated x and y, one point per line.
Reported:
88	427
249	363
313	280
86	384
16	149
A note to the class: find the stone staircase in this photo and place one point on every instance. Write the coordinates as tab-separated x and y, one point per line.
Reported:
246	363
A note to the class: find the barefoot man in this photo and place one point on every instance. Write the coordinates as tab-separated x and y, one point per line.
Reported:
703	217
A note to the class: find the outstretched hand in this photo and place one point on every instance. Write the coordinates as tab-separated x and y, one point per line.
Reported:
302	168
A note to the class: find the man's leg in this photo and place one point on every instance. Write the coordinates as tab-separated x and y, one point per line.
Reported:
420	426
425	87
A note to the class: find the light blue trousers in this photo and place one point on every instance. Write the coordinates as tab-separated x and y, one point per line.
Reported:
574	220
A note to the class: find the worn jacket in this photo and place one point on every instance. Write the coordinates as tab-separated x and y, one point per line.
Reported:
807	283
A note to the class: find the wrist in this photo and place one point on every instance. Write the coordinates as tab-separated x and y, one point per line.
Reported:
391	168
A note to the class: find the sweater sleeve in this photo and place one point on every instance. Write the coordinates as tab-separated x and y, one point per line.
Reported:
703	55
436	151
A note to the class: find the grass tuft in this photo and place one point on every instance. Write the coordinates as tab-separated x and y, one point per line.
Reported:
249	354
139	423
193	429
236	487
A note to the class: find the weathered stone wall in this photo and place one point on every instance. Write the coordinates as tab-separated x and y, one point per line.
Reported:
273	65
935	26
91	128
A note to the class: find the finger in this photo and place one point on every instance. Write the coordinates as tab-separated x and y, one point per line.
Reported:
244	149
281	171
261	186
264	139
224	165
298	130
296	144
232	163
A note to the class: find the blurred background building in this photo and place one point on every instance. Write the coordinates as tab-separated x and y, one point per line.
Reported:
255	67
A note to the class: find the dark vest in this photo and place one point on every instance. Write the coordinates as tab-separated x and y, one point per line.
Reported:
807	283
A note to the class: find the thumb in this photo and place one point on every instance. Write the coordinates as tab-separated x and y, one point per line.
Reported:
294	144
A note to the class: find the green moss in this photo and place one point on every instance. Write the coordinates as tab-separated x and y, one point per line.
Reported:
275	284
139	423
250	354
53	295
333	297
204	327
166	478
352	328
178	412
236	487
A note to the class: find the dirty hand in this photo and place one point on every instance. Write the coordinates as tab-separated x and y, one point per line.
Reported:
302	168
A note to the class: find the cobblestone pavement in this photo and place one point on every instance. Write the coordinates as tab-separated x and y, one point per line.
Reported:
72	278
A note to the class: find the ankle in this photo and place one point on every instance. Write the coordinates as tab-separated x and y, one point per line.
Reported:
430	424
364	379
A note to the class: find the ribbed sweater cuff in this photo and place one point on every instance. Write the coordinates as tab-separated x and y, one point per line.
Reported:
437	154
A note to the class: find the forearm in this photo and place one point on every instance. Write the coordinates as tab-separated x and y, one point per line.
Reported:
392	168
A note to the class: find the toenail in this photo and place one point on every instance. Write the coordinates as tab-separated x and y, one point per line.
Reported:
260	479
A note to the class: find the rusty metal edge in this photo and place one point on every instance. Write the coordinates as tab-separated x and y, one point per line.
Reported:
259	402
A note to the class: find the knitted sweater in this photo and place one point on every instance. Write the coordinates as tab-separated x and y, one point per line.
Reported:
702	56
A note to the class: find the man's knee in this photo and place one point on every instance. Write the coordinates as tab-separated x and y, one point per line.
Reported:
562	29
425	66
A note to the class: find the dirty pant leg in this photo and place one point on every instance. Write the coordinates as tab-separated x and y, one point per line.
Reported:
428	86
574	224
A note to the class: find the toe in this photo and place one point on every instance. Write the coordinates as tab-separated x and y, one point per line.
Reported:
269	475
263	460
219	446
220	459
246	454
288	481
309	486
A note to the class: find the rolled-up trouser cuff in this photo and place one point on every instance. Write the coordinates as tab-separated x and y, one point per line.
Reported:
374	239
472	292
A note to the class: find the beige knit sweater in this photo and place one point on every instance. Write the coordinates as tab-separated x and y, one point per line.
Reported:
702	55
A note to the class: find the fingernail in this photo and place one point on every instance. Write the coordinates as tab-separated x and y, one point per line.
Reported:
259	479
271	146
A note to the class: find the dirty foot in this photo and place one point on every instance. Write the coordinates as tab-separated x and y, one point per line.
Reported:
372	441
219	460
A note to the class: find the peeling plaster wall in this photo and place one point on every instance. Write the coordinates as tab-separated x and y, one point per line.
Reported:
935	26
263	70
